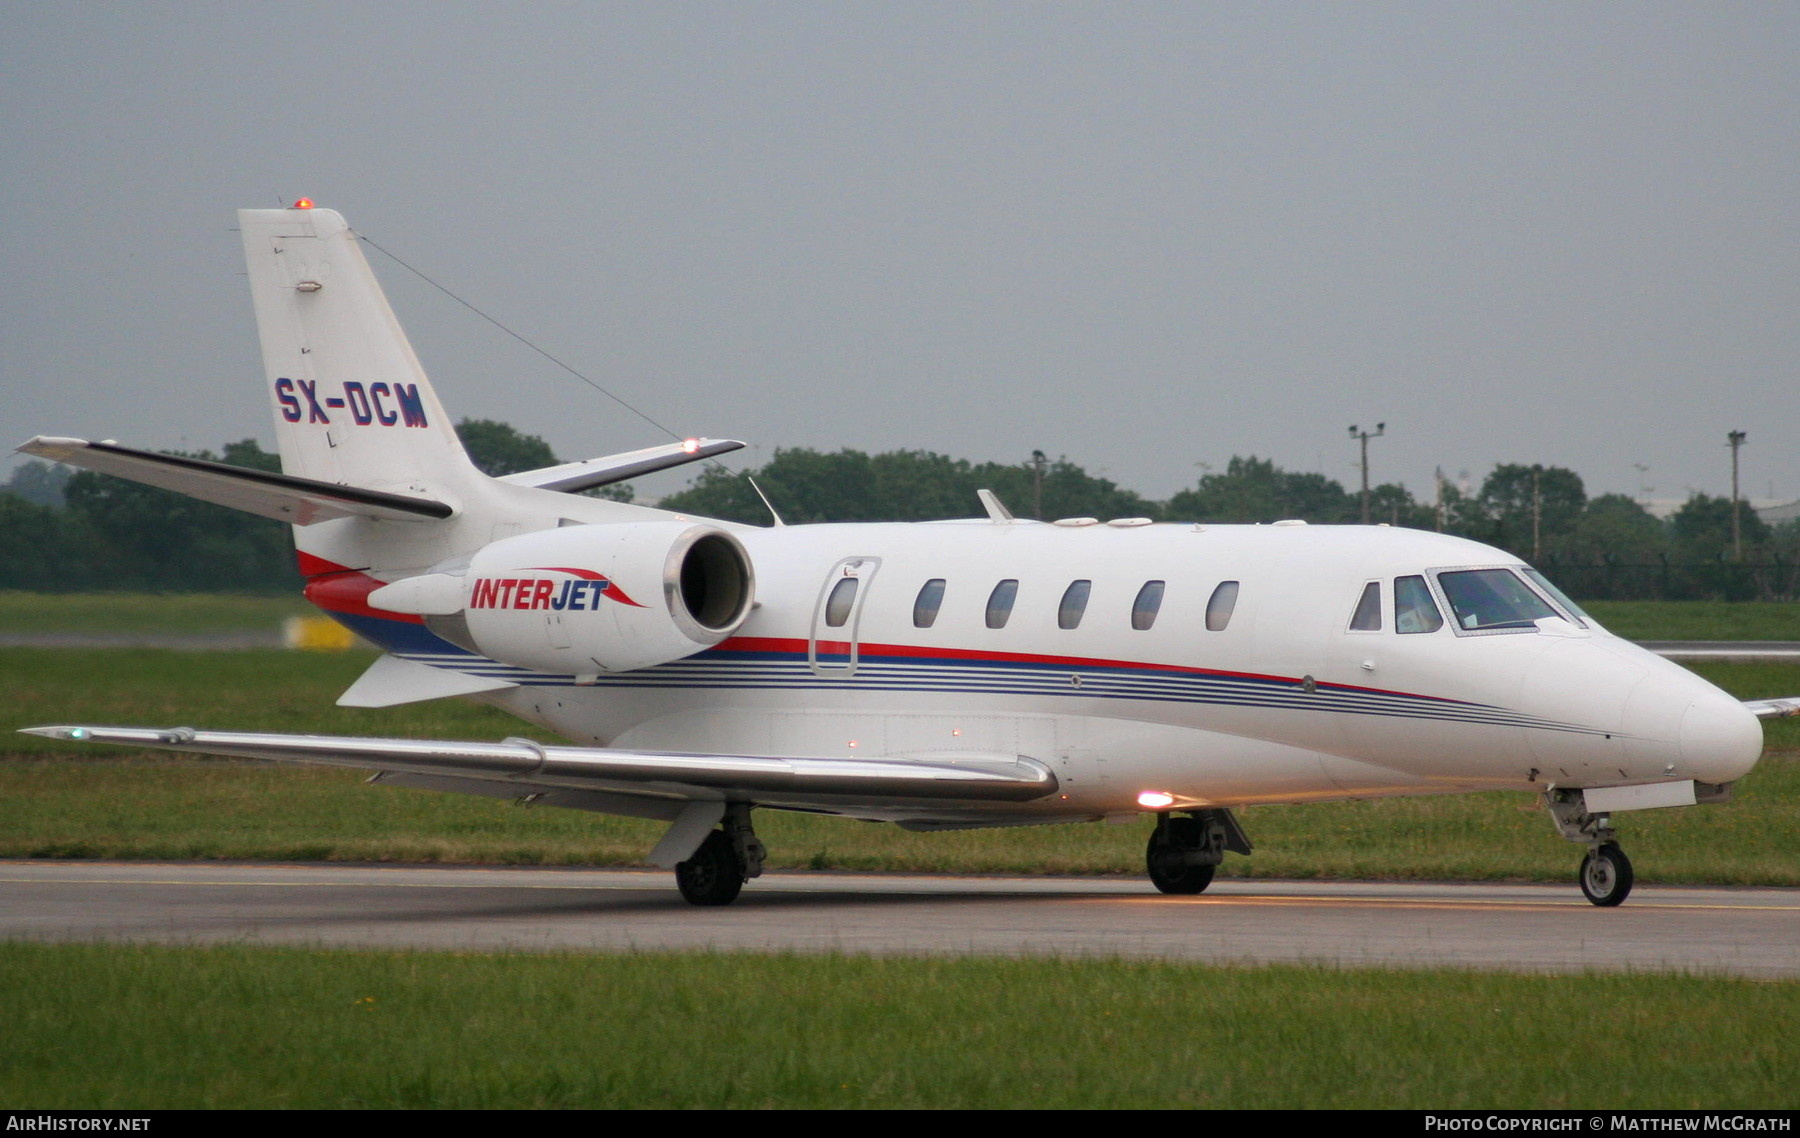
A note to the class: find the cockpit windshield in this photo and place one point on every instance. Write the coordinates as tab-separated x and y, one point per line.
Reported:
1560	597
1487	599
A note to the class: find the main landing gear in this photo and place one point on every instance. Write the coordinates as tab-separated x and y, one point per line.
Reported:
1605	877
1184	853
729	856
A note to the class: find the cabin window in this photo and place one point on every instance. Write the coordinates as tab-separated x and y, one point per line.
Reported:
1074	603
1000	602
1491	599
1144	609
840	602
1414	610
1367	617
1220	606
931	598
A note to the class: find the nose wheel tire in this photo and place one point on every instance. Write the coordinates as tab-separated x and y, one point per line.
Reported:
1606	875
714	875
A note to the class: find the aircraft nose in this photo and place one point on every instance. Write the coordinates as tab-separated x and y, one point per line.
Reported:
1720	739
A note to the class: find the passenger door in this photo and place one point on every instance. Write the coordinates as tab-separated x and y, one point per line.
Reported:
837	614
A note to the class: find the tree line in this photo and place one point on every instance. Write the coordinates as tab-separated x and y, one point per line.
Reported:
62	531
75	531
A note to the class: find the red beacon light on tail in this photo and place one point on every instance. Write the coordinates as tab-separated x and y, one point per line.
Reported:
303	203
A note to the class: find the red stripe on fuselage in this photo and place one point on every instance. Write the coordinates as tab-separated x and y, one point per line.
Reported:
976	655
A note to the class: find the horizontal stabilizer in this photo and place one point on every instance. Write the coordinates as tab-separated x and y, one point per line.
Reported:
1774	708
391	681
284	497
574	477
946	777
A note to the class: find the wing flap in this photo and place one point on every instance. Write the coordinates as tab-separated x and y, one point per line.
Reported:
662	808
283	497
967	777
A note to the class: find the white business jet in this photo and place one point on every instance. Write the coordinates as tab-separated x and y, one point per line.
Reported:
938	675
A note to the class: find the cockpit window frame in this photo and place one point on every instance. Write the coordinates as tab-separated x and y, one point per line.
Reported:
1516	568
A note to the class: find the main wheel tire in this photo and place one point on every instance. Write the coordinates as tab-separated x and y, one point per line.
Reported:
1606	875
1164	858
713	876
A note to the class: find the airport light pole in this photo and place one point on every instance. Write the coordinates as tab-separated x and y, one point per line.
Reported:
1364	437
1537	510
1734	440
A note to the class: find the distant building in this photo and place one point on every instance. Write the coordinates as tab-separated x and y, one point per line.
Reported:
1776	513
1770	510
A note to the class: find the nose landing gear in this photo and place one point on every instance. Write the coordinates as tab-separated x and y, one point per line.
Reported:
1605	875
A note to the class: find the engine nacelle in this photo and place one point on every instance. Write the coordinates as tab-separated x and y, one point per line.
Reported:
584	599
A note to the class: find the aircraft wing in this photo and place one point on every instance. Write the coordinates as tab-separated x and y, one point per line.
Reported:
520	767
284	497
574	477
1774	708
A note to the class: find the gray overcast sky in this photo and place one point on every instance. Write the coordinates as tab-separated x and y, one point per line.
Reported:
1146	236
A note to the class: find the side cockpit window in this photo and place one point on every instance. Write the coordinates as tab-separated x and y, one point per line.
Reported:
1367	617
1414	610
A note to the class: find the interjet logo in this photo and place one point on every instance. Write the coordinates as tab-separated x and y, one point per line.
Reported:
583	593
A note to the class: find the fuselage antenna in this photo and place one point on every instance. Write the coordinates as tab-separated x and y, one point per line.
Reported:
765	500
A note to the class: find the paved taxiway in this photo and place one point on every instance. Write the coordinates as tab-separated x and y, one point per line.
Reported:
1745	932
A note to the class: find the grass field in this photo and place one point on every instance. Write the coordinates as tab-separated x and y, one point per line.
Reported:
272	1028
1699	620
145	1027
176	614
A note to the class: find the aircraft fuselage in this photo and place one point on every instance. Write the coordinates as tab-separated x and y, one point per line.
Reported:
1091	648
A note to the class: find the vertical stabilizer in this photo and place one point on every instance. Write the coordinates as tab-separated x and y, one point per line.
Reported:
352	405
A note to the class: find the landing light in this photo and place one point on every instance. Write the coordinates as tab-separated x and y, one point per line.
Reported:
1155	799
689	446
303	203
